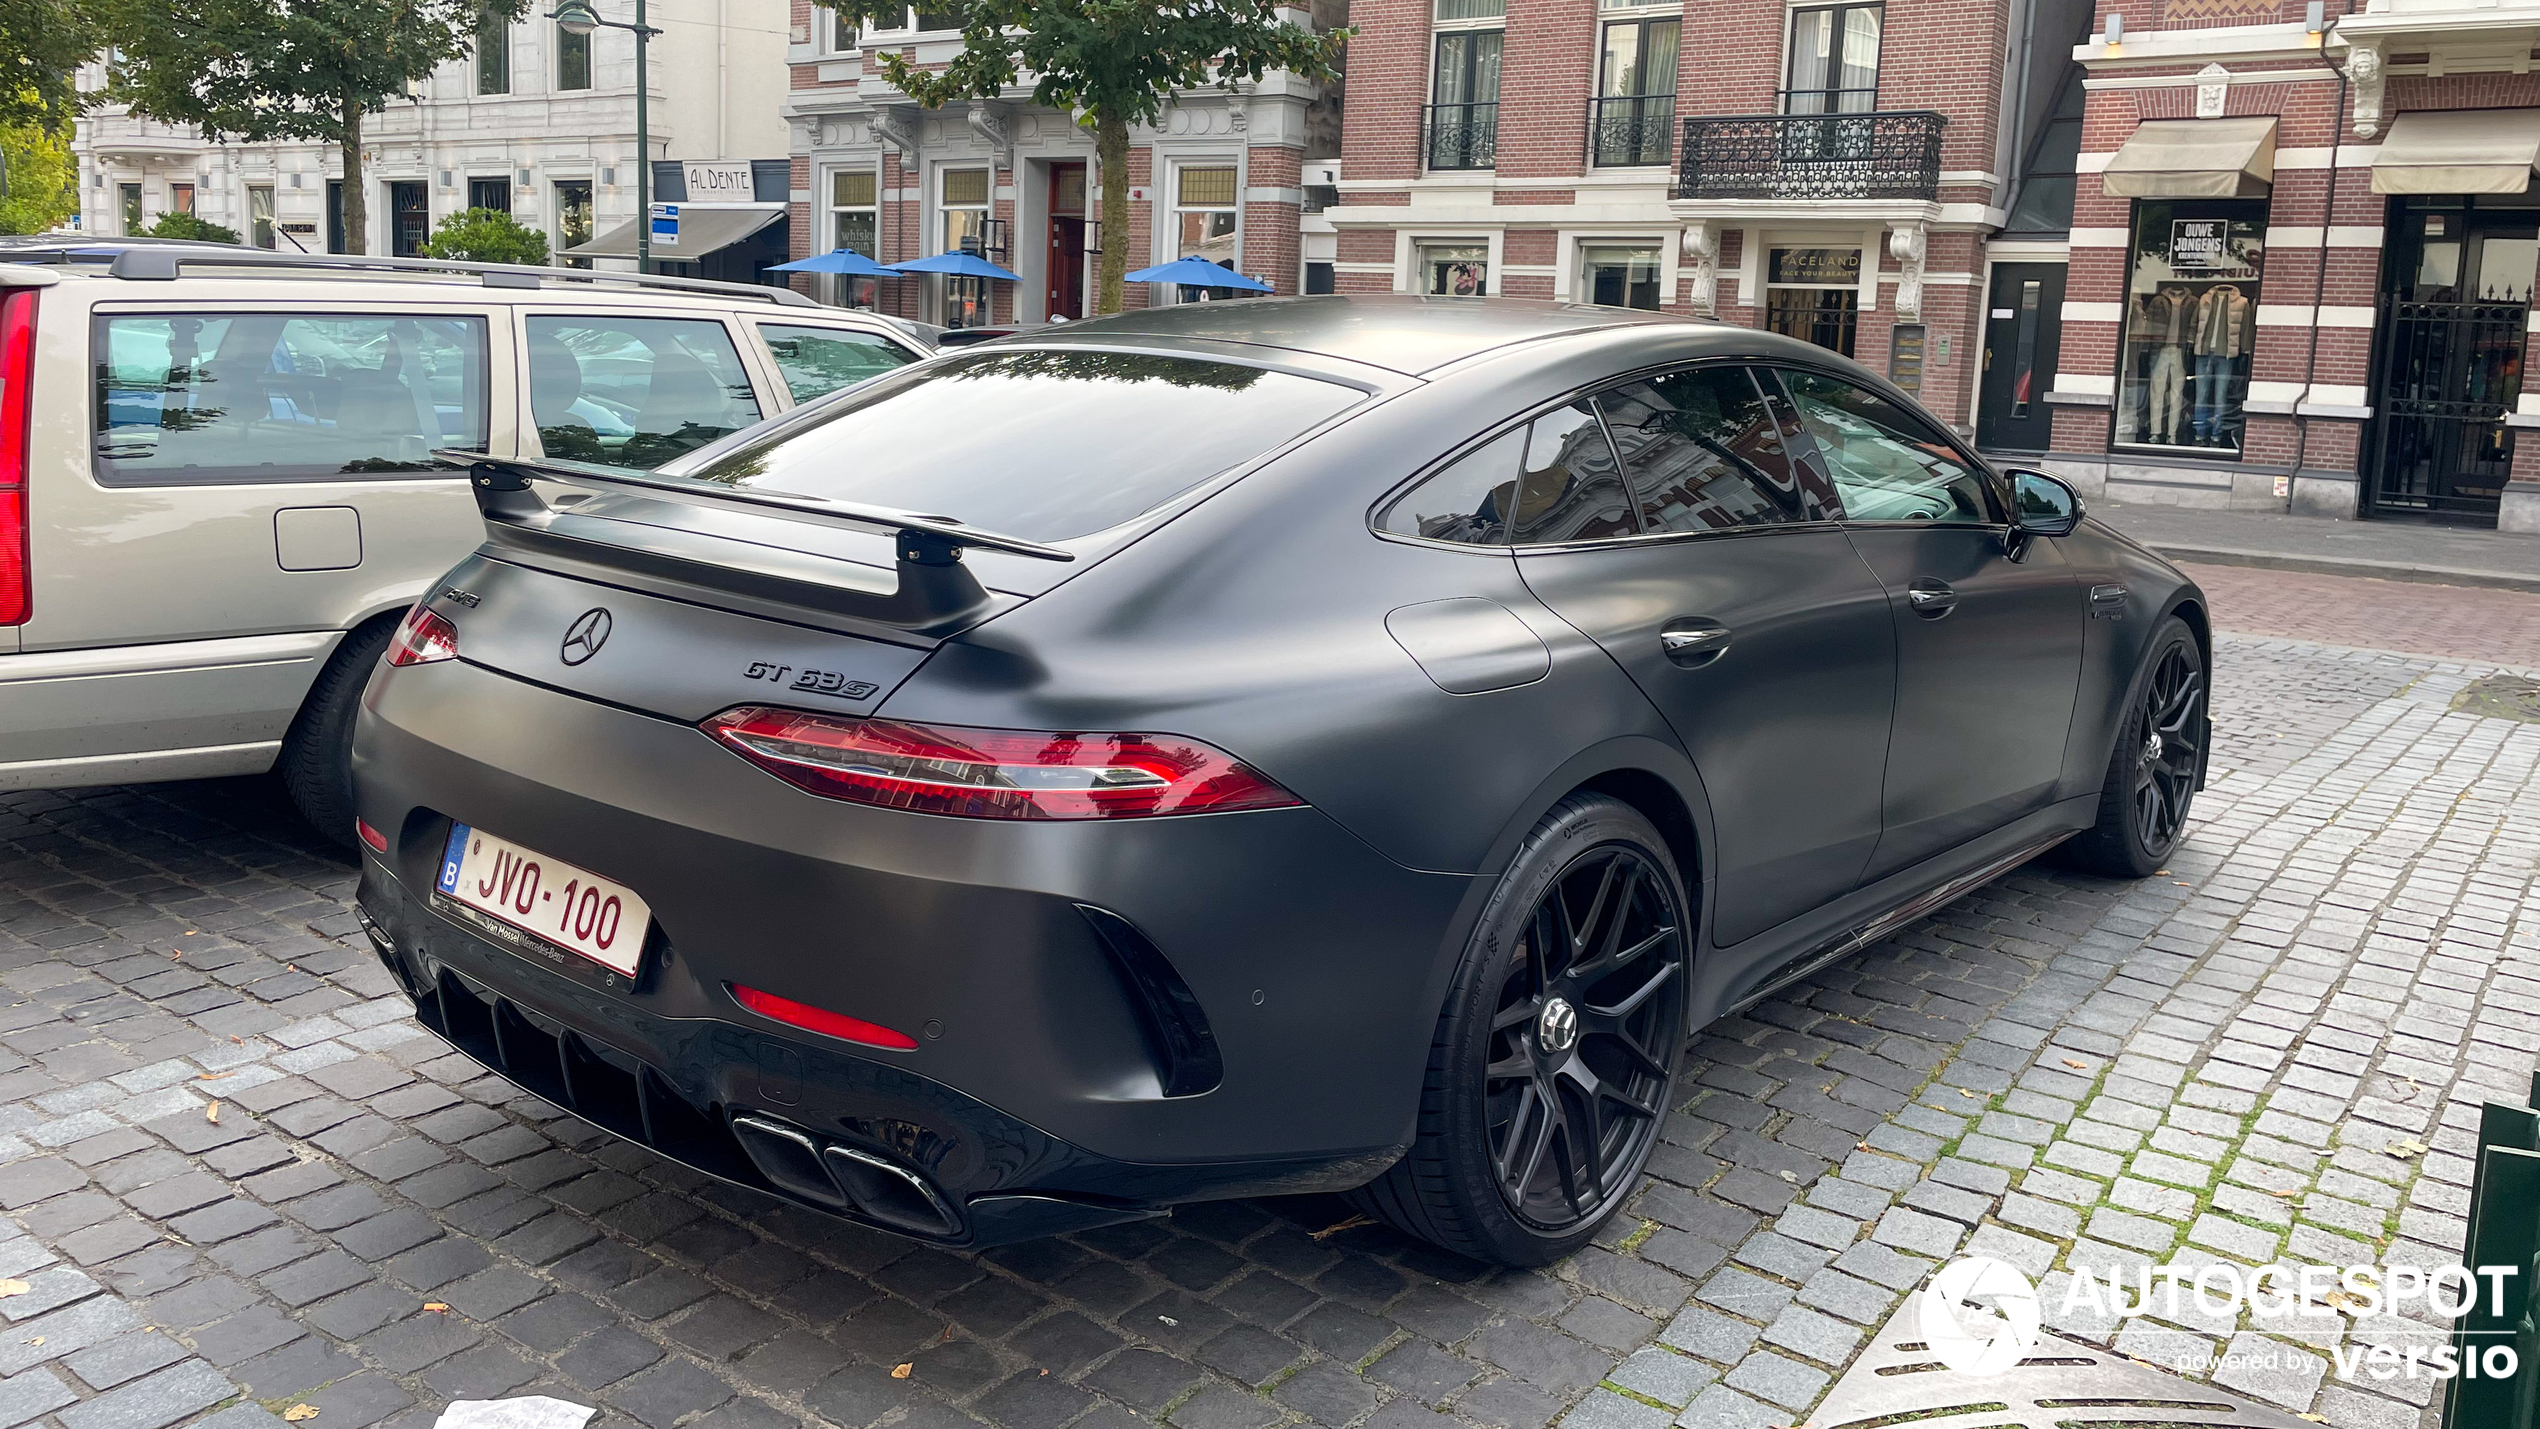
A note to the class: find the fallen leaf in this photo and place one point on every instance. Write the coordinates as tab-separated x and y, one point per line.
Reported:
2076	1065
1336	1227
12	1286
2405	1147
212	1113
1860	1146
2288	1195
37	1340
211	1076
1962	1091
299	1412
240	1040
436	1307
903	1369
2314	1418
1787	1176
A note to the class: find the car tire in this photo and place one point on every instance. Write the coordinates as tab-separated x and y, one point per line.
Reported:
1496	1171
317	755
2153	769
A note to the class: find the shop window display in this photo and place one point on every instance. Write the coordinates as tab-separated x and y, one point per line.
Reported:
2190	320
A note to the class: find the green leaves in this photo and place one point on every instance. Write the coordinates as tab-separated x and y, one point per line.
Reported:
485	235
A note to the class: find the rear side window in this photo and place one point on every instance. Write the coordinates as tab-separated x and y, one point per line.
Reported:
817	361
634	392
1703	454
248	397
1045	444
1550	482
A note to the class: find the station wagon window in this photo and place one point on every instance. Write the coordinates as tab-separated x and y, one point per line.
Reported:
1888	464
634	392
236	397
1702	453
817	361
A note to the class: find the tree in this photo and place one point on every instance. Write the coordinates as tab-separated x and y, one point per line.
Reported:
187	226
42	45
1114	62
43	181
486	235
258	71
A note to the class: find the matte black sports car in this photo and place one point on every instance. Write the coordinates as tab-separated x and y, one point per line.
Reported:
1255	747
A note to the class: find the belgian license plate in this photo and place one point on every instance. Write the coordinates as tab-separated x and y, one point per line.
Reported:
550	900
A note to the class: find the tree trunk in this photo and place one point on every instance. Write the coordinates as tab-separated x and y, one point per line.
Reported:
356	204
1111	153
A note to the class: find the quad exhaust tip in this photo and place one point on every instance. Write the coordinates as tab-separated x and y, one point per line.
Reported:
836	1174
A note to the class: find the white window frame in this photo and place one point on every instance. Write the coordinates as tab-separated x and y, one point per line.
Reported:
1168	247
830	208
905	30
937	292
1573	276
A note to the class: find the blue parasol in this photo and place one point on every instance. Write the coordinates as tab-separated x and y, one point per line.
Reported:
960	265
1199	273
845	260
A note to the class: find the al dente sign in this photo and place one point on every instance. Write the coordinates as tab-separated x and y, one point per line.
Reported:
720	181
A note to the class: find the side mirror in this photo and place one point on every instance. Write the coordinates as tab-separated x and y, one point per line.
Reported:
2042	505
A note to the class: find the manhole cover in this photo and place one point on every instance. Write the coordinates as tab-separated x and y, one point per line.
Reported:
2501	697
2065	1384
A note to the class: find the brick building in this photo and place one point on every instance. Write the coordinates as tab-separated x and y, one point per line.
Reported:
1851	172
2302	258
1220	176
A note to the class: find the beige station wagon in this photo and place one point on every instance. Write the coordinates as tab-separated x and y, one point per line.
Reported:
217	494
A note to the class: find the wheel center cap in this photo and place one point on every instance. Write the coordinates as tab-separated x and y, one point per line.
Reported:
2152	748
1557	1029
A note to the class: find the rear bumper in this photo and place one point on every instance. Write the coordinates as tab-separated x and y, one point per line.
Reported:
1037	1098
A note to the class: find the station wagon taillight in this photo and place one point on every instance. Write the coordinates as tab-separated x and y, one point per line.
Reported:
17	373
994	773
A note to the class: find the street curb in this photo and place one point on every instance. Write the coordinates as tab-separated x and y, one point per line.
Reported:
2341	566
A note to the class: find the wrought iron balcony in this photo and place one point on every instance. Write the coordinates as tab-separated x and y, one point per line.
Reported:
1890	154
1459	136
1630	129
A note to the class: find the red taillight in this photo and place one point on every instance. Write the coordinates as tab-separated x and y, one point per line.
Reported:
424	638
995	773
17	371
820	1019
378	841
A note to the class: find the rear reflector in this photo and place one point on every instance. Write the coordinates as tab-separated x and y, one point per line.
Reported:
423	639
995	773
820	1020
378	841
17	370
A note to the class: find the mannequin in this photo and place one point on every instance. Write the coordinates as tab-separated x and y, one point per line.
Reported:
2168	325
2222	318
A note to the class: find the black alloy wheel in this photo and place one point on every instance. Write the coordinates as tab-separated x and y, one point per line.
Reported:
2152	771
1554	1058
1591	1011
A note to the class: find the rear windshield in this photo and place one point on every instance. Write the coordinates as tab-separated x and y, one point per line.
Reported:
1045	444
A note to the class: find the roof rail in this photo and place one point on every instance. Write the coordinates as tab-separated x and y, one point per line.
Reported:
161	265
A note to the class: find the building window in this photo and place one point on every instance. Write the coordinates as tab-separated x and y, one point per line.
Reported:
1318	279
573	60
1204	221
129	196
573	218
2045	200
1455	270
1814	294
1834	60
1462	128
1619	275
495	194
2191	302
260	215
1636	91
853	224
912	22
493	54
965	210
181	198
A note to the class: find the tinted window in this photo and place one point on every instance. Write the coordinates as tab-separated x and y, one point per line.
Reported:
284	396
1464	502
1702	453
817	361
1044	444
634	392
1570	489
1888	464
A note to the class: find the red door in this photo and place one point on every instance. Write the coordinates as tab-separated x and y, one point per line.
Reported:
1066	266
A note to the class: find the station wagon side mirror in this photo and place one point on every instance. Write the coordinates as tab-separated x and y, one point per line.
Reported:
2043	505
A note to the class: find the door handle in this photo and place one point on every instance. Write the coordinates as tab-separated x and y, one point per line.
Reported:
1930	599
1694	643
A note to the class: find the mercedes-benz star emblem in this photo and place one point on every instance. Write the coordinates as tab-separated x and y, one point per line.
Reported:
584	637
1558	1028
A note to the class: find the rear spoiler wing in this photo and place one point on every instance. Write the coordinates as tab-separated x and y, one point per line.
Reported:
936	591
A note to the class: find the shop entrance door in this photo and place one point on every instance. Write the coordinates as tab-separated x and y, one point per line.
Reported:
2022	336
2455	311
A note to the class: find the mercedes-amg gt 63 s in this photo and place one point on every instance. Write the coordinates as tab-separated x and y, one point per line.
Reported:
1295	745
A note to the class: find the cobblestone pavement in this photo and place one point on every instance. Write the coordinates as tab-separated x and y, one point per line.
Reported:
2459	622
2211	1063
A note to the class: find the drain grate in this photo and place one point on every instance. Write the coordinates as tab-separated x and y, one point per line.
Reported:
2501	697
2066	1384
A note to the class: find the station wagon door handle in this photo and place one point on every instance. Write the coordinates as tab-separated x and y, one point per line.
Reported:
1694	643
1930	599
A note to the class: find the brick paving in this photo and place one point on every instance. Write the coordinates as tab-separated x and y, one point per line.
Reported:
2209	1064
2458	622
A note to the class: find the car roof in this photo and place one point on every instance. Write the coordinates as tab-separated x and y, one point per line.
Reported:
1401	331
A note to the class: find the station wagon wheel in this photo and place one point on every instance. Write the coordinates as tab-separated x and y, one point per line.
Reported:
1554	1058
1583	1041
2157	757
